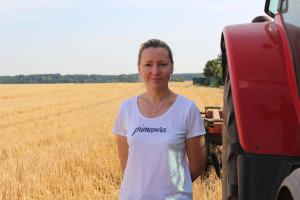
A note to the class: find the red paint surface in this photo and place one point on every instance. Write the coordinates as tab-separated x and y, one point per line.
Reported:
289	63
259	67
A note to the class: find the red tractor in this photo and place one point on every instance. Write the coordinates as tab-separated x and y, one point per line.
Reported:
261	130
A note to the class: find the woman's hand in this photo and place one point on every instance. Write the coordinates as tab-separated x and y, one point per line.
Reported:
197	155
123	150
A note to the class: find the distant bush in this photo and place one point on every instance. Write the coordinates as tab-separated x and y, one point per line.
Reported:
213	71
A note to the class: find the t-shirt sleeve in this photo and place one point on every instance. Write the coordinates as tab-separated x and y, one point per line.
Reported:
119	126
195	126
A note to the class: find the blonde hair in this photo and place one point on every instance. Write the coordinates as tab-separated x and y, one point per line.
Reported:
155	43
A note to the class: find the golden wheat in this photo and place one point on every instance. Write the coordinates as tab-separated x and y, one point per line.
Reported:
56	140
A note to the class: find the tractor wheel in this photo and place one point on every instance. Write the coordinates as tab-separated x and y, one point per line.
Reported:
231	146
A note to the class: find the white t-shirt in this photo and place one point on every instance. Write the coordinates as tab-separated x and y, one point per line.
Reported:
157	166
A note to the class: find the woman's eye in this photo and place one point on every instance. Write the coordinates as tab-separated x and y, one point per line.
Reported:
147	65
163	64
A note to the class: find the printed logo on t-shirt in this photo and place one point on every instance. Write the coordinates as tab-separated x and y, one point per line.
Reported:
143	129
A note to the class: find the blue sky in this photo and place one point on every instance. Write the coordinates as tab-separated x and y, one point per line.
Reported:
103	37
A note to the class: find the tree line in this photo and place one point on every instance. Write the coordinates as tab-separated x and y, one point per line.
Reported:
212	75
82	78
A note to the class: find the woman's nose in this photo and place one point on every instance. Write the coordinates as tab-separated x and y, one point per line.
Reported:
155	69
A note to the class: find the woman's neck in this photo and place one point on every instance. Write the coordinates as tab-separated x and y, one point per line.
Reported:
156	96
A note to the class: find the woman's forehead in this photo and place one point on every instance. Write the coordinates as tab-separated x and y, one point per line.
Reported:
155	53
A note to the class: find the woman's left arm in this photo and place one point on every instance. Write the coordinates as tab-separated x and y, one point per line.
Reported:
197	155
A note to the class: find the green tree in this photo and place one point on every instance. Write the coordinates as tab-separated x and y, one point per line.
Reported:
213	71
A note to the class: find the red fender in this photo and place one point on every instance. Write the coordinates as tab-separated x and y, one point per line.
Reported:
264	109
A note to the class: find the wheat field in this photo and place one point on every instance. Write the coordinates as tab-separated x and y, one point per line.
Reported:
56	140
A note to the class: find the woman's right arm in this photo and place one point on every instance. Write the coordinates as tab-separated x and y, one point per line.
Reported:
123	150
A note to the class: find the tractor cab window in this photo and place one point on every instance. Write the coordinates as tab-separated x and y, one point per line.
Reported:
271	7
291	17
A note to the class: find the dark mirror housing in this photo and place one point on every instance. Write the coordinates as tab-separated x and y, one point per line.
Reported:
267	5
271	7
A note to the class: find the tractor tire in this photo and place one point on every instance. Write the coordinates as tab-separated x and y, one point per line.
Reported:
289	189
231	145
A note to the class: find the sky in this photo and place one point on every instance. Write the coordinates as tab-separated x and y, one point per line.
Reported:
103	36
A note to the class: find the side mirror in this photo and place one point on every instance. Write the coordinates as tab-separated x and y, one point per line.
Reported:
271	7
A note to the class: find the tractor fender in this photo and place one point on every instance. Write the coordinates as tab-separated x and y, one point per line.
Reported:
265	114
289	188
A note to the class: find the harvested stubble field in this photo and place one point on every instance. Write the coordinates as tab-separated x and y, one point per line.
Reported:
56	140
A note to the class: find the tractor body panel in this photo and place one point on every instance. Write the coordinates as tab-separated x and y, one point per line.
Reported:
264	106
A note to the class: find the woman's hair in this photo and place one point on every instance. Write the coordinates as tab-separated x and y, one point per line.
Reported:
155	43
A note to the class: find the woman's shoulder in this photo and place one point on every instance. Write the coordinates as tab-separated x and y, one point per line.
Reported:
186	104
128	102
184	100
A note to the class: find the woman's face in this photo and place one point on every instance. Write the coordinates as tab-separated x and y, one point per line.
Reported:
155	67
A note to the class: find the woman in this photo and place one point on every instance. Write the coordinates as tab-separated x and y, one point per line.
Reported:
160	134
